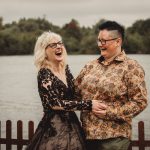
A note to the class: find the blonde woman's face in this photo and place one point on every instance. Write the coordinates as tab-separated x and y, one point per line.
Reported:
55	51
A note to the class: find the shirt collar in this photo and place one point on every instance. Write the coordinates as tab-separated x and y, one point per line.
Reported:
120	58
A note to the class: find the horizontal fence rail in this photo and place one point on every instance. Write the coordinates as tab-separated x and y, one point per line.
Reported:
141	143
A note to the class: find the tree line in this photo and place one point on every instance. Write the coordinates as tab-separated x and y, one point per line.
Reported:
18	38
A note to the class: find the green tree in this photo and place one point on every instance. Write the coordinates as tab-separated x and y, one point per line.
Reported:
72	36
138	37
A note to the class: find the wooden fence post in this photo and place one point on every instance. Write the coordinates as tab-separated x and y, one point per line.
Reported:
0	134
30	129
19	135
141	135
8	134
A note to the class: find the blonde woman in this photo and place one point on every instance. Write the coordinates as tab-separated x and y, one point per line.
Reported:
59	128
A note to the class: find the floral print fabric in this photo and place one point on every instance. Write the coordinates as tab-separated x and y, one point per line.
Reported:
120	85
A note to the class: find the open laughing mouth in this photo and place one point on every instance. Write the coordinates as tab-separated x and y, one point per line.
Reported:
58	53
103	49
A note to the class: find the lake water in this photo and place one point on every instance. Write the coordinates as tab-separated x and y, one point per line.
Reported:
19	99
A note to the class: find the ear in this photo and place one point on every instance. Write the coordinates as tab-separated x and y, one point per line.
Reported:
119	42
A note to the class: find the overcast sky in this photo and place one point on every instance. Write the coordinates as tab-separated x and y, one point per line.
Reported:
86	12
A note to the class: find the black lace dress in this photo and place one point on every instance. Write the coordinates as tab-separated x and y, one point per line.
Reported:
58	129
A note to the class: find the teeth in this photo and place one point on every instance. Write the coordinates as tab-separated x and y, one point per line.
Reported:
103	49
58	53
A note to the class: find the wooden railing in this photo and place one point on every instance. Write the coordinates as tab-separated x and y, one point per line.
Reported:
19	141
141	143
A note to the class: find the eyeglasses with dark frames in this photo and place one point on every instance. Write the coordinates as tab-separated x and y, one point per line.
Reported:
54	45
103	42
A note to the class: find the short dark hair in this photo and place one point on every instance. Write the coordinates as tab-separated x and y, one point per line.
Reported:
112	25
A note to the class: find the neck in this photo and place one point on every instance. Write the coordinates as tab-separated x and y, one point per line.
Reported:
112	58
58	70
57	67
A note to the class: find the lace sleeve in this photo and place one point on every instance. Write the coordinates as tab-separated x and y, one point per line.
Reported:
50	95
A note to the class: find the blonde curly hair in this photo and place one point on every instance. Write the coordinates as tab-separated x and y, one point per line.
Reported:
43	40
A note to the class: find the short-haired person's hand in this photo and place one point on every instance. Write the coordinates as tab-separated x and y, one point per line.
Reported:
99	108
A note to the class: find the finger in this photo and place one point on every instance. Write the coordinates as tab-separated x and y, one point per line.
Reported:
98	108
100	112
102	106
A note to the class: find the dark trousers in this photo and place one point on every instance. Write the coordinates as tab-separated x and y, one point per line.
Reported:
119	143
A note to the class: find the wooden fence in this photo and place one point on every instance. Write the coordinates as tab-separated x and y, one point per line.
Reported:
19	141
141	143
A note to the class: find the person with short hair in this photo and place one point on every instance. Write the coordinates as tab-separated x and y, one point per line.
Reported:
117	81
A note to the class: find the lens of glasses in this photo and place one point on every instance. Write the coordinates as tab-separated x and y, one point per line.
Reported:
103	42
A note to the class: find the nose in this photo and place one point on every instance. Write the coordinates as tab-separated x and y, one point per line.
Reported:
99	44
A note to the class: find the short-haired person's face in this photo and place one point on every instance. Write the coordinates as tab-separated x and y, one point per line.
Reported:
55	50
108	42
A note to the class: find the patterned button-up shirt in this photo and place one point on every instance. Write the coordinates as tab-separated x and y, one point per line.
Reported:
120	85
